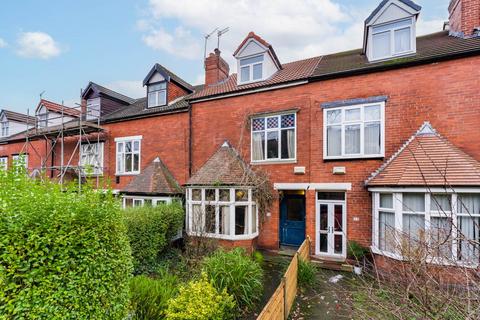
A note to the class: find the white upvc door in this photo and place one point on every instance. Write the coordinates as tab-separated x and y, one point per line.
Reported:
331	237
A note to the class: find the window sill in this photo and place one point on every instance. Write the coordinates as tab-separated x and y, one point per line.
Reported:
127	174
348	158
225	237
266	162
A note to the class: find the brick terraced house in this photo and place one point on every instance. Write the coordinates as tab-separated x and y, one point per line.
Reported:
354	144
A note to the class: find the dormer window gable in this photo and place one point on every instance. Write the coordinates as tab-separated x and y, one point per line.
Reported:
390	31
256	60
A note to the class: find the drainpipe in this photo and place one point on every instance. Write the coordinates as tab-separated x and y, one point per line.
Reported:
190	141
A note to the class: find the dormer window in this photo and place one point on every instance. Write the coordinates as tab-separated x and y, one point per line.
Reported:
251	69
4	126
392	39
157	94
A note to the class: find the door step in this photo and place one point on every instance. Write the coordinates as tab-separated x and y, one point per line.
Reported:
332	264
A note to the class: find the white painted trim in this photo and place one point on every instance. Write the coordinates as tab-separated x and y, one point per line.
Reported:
222	96
401	5
426	190
119	139
313	186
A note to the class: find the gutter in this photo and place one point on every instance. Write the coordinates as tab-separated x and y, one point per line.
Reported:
386	67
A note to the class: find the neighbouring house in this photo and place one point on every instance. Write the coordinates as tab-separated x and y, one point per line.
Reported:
336	135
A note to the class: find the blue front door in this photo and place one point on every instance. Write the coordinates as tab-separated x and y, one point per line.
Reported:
292	219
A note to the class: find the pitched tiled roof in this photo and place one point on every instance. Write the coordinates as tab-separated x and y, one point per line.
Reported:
55	107
19	117
293	71
139	109
155	179
173	77
409	3
433	47
252	35
107	92
225	167
428	159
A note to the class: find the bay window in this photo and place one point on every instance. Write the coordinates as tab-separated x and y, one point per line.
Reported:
392	39
274	138
354	131
157	94
91	157
128	155
443	226
226	213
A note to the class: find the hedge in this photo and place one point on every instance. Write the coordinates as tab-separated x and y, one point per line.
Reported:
63	254
150	230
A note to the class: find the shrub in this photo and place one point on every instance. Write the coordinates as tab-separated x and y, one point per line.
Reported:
150	230
356	251
150	296
63	254
238	274
306	273
199	300
258	257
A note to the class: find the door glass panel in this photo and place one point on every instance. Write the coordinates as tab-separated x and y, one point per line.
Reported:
323	217
338	217
338	244
294	209
323	242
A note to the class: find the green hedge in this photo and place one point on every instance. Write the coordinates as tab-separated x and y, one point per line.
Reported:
150	230
63	254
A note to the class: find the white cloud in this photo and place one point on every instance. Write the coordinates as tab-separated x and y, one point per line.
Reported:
296	28
3	43
37	45
130	88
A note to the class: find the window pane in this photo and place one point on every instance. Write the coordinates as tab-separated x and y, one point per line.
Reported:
224	194
128	146
128	162
152	99
210	194
402	40
258	124
352	114
469	203
241	195
394	25
331	196
372	138
414	202
272	122
257	71
196	194
372	113
136	162
224	220
334	141
386	200
468	239
258	147
272	145
120	147
413	229
209	219
197	223
288	144
245	74
334	116
386	231
254	218
338	217
288	121
240	220
441	241
136	146
120	163
381	45
352	139
128	202
251	60
440	202
162	97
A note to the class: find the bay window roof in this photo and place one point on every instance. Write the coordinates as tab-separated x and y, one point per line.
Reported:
428	159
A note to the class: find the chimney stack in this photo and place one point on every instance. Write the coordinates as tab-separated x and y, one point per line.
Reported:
216	69
464	18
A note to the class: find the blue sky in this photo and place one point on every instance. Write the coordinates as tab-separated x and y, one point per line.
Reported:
58	46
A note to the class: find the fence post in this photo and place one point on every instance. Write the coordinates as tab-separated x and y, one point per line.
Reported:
285	314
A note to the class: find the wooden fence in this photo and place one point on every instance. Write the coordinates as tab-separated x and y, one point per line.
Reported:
281	302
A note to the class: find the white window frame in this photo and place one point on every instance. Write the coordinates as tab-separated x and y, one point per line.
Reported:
157	95
398	209
250	68
4	163
122	140
139	201
249	203
5	128
362	123
279	130
99	156
392	30
93	109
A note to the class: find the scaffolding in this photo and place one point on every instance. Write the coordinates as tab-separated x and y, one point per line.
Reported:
83	126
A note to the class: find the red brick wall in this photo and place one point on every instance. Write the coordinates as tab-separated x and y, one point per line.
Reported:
36	151
464	16
446	94
174	91
163	136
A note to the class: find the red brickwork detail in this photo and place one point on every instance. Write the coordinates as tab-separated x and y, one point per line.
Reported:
464	16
